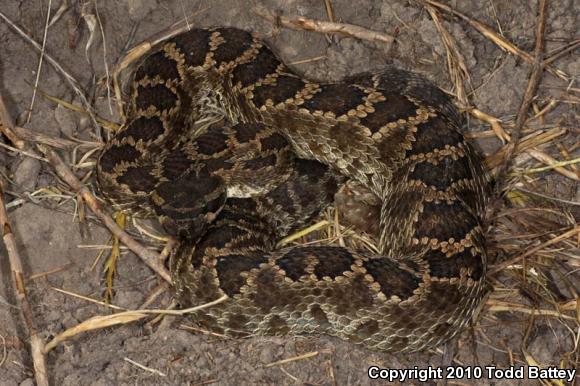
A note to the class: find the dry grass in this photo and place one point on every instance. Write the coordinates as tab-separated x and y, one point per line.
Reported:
534	236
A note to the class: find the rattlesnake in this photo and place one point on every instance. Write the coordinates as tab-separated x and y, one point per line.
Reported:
232	151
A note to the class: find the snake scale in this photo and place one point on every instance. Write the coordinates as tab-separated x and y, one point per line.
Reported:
231	151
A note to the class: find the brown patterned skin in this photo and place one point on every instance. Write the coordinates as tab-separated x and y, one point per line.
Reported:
233	151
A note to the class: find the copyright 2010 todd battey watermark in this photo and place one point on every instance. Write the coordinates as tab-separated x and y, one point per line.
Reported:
471	372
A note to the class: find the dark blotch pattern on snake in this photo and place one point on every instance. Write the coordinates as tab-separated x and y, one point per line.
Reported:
232	151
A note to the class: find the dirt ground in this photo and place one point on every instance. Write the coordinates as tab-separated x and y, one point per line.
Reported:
59	252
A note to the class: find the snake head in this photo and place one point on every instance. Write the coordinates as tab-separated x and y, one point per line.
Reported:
188	206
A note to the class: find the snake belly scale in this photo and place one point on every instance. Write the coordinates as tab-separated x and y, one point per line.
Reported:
231	151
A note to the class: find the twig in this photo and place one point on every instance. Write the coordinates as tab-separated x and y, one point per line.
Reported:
185	16
293	359
143	367
36	343
71	106
98	322
456	67
309	60
494	122
303	232
39	69
7	126
557	199
88	299
534	80
149	257
561	52
23	152
325	27
329	10
154	294
57	142
107	75
526	144
572	232
551	164
64	5
203	331
502	306
330	15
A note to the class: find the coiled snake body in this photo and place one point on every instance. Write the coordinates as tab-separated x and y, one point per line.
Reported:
232	151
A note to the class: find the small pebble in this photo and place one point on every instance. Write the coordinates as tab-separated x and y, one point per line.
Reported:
26	174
